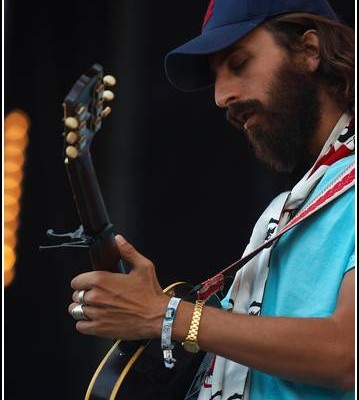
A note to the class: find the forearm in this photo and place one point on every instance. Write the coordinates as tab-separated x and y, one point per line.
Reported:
307	350
311	350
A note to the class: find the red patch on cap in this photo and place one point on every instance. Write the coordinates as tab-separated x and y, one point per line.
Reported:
209	13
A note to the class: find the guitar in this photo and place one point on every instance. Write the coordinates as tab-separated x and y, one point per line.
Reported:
131	369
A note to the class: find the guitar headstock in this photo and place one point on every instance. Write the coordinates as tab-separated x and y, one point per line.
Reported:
84	110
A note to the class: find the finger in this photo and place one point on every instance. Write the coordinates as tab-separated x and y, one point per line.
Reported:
76	296
91	325
86	327
82	281
131	255
87	280
86	310
92	328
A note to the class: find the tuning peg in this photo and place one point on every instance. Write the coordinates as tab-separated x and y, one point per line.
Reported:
71	123
71	137
109	80
105	112
108	95
71	152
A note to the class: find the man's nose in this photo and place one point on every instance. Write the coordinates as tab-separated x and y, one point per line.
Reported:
226	91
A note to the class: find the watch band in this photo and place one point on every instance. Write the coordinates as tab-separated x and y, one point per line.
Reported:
190	343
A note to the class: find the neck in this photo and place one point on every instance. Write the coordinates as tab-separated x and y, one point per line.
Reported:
330	114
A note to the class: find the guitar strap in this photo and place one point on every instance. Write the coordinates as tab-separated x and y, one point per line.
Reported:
339	186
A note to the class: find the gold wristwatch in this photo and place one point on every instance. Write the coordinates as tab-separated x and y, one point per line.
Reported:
190	344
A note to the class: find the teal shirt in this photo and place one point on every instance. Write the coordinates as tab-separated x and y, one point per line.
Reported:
306	270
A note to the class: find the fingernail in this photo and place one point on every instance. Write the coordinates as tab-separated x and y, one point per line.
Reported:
120	239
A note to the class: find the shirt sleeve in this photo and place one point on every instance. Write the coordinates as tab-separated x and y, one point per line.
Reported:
350	264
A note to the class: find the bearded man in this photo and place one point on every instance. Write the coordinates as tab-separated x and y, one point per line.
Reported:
284	73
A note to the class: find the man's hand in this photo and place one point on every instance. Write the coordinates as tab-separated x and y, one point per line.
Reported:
121	306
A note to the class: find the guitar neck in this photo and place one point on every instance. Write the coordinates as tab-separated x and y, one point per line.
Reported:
104	253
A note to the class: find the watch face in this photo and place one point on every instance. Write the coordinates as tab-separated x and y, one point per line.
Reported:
191	347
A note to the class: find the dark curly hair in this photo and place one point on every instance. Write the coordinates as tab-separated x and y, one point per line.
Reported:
337	50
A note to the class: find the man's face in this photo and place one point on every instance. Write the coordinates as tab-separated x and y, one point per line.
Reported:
270	97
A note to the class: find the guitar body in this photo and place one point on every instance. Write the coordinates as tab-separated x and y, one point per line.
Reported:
131	370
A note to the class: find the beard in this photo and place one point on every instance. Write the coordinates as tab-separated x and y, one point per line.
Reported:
282	130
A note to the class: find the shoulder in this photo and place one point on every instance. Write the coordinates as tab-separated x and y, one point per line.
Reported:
331	175
336	169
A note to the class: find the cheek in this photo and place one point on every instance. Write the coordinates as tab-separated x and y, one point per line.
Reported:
267	58
262	74
256	84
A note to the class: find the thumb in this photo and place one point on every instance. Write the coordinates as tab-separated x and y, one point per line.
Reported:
130	255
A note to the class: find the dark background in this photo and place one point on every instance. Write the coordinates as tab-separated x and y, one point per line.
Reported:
178	181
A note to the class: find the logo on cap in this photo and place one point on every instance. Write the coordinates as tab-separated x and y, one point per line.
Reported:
208	14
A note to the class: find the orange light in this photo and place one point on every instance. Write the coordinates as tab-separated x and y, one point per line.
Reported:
13	150
10	257
16	126
10	218
10	183
12	166
10	200
10	237
9	276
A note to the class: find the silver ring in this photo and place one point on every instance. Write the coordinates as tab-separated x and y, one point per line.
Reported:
82	297
78	313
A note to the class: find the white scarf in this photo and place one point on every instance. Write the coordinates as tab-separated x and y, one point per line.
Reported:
230	379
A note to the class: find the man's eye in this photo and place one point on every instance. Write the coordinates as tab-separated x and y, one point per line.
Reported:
237	66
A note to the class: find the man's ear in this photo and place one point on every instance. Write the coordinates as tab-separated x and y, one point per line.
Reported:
311	50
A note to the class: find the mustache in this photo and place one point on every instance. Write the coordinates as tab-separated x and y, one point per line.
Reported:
237	111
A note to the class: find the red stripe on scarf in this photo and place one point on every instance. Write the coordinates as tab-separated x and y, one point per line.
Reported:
332	156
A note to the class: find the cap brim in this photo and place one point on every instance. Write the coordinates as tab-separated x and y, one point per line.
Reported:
187	66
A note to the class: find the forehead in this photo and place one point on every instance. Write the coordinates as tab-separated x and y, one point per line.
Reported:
260	40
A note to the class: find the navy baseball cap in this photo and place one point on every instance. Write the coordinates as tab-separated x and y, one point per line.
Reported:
225	22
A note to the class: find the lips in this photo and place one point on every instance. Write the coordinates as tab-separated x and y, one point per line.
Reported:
245	116
249	120
240	113
242	118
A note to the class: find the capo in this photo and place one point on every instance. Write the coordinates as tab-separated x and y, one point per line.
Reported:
77	239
